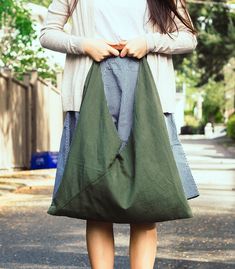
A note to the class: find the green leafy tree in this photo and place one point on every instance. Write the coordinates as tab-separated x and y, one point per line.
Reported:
216	39
214	102
17	33
203	69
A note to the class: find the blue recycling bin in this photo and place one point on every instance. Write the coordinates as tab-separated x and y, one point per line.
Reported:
44	160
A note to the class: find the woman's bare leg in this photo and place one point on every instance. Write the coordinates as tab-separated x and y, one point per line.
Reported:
100	244
143	245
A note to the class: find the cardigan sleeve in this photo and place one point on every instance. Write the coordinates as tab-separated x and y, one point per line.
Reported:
181	41
52	34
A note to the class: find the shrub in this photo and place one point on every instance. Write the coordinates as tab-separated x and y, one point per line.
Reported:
192	126
191	120
231	126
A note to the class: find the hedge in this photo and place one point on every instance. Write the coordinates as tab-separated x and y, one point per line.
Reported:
231	127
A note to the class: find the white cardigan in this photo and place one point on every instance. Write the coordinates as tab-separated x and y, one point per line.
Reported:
77	64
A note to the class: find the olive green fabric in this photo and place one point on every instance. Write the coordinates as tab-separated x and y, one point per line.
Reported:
139	184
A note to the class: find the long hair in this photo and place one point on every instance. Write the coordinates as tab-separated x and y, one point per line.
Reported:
161	14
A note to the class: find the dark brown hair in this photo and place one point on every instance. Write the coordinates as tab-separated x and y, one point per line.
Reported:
161	14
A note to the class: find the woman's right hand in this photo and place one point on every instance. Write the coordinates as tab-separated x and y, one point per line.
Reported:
99	49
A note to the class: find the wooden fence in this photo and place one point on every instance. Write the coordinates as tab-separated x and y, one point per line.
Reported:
31	118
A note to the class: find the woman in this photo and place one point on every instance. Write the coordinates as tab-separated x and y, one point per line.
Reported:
116	34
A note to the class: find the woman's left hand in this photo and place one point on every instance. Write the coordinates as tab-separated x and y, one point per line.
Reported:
136	47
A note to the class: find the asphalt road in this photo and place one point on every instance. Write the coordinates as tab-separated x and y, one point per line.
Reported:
30	238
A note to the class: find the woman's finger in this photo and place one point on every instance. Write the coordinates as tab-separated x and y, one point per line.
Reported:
124	52
113	51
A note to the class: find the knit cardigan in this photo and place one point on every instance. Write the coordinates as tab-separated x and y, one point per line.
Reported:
160	48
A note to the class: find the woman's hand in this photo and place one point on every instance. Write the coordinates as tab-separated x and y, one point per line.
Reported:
99	49
136	47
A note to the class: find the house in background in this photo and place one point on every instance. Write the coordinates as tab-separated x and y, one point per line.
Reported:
180	106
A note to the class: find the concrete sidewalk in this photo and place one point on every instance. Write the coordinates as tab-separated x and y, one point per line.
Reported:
212	161
25	182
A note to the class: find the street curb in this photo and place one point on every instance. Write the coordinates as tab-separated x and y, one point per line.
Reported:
11	181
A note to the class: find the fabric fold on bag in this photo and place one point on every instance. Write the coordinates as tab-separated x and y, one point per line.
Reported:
140	183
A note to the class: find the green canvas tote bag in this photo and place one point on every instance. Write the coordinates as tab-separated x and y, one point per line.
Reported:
140	183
